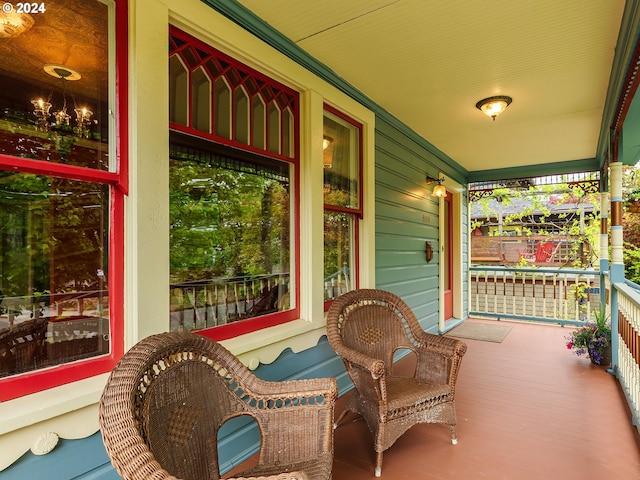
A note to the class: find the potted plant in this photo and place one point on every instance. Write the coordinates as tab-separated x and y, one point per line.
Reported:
632	201
593	339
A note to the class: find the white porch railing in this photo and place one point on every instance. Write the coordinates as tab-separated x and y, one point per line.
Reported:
543	294
628	368
209	303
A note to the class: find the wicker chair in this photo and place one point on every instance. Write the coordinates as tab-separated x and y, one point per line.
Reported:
366	328
22	346
165	401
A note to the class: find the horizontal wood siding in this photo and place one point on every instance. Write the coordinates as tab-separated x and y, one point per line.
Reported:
406	218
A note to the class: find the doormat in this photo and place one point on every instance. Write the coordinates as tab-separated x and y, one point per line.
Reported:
486	332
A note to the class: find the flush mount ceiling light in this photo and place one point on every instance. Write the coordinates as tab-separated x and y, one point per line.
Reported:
494	106
439	190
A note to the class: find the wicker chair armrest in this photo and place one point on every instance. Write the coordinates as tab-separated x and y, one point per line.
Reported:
318	387
439	358
446	345
373	365
280	476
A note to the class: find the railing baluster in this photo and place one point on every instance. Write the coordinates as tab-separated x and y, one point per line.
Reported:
544	294
486	306
533	293
495	291
628	368
554	295
504	291
513	294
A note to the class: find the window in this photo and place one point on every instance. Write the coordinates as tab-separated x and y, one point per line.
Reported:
232	174
61	196
342	162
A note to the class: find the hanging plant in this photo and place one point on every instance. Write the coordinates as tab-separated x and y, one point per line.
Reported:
632	202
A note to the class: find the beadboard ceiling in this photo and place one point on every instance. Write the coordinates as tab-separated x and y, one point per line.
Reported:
428	62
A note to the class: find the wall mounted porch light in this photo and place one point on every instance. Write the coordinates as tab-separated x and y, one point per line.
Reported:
439	190
494	106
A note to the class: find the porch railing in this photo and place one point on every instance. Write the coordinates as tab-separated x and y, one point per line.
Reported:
628	369
564	296
213	302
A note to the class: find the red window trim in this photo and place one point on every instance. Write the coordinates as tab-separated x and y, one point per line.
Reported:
224	332
232	63
357	212
40	380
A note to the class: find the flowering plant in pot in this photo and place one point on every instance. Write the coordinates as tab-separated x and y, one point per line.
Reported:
593	339
632	200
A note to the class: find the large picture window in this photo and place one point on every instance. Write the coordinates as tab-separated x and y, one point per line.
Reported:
61	194
342	166
232	174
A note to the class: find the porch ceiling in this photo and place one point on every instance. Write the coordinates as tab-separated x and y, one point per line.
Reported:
429	62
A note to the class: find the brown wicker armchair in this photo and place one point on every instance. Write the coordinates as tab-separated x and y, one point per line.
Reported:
365	328
22	346
165	401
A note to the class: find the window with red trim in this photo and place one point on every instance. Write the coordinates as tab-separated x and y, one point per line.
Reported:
342	165
233	176
62	182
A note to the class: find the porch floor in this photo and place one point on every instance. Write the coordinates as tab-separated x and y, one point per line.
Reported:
527	408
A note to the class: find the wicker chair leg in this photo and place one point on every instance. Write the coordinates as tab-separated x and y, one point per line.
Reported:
378	463
454	439
336	424
350	406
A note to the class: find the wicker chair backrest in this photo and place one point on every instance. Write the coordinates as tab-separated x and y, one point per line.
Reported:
182	394
375	323
22	346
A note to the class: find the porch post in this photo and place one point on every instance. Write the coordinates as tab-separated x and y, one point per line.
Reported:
616	271
604	242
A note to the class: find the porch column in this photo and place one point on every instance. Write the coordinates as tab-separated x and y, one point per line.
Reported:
604	241
616	270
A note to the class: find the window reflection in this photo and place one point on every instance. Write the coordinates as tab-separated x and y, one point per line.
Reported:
54	101
230	240
53	271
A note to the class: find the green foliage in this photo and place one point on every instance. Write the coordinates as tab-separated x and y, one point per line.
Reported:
53	234
631	225
225	223
537	218
631	258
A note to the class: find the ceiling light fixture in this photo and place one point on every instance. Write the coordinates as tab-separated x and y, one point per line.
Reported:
439	190
13	23
41	107
494	106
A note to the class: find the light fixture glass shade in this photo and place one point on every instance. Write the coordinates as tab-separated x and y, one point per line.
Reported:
13	23
494	106
439	191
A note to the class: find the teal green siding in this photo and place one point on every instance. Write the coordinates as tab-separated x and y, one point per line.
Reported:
407	218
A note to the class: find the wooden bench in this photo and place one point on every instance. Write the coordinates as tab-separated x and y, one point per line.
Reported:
486	250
